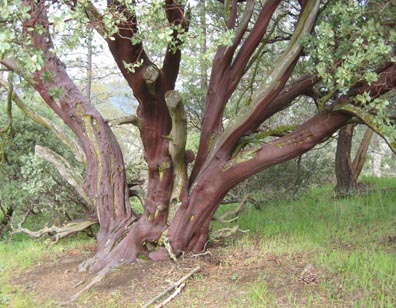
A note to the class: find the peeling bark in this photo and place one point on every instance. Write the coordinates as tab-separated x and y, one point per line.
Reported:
161	120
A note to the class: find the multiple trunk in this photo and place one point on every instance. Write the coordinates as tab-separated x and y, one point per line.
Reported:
179	207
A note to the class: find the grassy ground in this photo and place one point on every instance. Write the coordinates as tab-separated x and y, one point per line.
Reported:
313	252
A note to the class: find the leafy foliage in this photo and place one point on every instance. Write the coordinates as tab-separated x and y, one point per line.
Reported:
29	183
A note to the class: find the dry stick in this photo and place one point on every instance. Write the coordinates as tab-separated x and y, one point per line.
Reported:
176	286
174	294
98	278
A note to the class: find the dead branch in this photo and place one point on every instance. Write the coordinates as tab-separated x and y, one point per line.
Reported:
59	232
233	214
98	278
65	169
225	232
177	286
172	296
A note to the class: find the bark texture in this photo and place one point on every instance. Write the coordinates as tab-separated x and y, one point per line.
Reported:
348	171
179	206
345	174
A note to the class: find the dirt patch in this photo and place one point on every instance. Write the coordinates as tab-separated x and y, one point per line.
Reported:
227	277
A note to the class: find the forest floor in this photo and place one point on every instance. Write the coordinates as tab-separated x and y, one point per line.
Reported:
315	251
228	277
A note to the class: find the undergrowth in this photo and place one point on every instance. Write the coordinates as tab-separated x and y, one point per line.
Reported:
350	243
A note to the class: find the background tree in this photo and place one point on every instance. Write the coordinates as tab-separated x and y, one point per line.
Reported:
350	65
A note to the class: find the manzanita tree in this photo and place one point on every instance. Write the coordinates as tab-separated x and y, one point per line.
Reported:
348	63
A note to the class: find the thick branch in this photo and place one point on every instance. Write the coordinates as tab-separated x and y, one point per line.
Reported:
59	132
254	39
265	95
175	14
310	133
275	81
294	144
126	52
129	119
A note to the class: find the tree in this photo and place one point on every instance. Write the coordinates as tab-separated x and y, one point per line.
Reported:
179	204
348	170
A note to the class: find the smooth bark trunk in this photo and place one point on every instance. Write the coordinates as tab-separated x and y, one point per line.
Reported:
345	173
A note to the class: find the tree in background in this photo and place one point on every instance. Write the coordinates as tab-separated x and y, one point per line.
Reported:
348	63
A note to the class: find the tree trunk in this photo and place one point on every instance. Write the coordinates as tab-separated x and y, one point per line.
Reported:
345	174
224	158
361	153
377	157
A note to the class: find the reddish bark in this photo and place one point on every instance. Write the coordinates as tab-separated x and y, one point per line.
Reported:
123	234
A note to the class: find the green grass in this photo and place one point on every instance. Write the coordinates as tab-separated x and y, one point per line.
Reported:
353	239
20	252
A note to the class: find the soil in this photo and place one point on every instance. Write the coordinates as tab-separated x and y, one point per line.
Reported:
225	279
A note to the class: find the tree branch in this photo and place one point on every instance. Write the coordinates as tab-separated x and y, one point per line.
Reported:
171	64
273	86
254	39
66	171
294	144
310	133
129	119
125	52
59	232
58	131
269	91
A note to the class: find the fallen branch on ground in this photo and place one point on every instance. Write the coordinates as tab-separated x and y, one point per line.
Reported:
176	286
58	232
172	296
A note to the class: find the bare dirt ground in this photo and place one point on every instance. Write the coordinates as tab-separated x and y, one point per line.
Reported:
224	280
